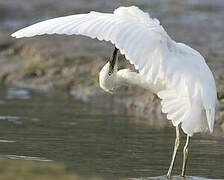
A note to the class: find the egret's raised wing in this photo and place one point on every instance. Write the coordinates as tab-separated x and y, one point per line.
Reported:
140	38
145	44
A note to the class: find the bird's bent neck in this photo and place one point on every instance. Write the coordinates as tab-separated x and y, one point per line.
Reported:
128	77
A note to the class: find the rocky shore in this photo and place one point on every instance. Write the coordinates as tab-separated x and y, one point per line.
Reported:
72	63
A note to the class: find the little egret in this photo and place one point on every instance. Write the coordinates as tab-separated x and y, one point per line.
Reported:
175	72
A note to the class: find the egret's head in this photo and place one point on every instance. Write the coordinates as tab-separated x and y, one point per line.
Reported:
108	74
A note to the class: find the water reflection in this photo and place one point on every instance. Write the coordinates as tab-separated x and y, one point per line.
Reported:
94	140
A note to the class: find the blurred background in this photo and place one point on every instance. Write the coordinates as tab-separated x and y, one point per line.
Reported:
52	109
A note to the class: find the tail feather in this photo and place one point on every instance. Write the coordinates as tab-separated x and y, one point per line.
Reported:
175	107
188	112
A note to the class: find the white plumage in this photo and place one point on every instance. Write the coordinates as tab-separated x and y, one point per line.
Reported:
189	95
175	72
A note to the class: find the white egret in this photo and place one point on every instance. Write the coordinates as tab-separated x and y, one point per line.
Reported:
176	73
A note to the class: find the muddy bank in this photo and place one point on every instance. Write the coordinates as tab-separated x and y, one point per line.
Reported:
72	63
23	169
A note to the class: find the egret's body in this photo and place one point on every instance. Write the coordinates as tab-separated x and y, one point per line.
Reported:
173	71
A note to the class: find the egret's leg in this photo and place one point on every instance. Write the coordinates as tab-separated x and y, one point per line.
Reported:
177	143
185	155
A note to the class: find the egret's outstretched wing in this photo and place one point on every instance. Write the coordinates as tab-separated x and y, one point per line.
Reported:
139	37
145	44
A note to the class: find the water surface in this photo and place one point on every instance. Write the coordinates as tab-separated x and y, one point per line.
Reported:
95	140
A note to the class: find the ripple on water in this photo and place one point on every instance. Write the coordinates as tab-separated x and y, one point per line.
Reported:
6	141
13	119
17	94
69	123
29	158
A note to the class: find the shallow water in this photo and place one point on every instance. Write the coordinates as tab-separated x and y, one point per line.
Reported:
95	140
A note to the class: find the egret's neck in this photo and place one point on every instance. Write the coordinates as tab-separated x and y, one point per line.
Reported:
107	79
127	77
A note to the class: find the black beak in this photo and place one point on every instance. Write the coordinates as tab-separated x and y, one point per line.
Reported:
113	61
